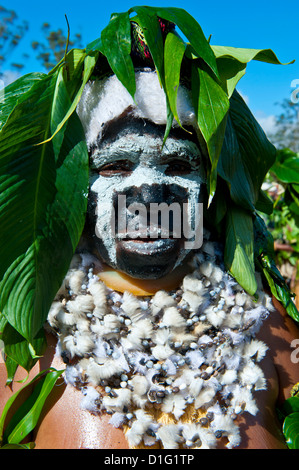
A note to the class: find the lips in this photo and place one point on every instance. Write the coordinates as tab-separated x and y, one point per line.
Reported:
149	246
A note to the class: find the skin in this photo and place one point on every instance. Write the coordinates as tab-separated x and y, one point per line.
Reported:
63	425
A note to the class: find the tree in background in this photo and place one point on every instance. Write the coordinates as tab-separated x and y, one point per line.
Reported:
12	31
51	51
48	51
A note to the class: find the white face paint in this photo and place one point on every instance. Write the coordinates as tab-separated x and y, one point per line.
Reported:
149	166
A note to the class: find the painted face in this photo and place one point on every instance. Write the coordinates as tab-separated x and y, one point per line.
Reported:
144	199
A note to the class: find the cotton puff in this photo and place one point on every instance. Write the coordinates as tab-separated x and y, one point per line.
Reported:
90	400
228	377
160	301
131	306
78	344
162	352
172	318
193	284
139	427
81	304
193	300
255	348
97	372
75	281
174	404
117	419
170	436
215	317
206	268
252	374
117	403
98	291
204	397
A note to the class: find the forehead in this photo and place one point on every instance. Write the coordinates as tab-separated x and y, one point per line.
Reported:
141	142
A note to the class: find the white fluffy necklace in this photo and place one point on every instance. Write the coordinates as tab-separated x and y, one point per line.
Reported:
189	355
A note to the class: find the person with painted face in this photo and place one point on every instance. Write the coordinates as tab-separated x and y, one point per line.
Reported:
162	347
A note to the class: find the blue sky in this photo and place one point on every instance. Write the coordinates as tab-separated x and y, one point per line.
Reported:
256	24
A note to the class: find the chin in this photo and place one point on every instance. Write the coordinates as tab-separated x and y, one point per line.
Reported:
145	259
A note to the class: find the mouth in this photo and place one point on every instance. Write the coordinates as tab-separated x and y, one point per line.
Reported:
147	246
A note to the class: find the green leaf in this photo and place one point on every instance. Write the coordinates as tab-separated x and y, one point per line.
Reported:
193	32
116	46
17	348
26	417
174	51
291	430
288	170
246	155
14	93
245	55
291	405
230	71
43	198
239	248
211	106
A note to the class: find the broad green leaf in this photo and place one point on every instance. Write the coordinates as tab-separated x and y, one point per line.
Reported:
288	170
211	106
14	93
17	348
43	197
26	417
116	46
173	55
246	155
94	46
89	64
239	248
291	430
245	55
291	405
193	32
230	72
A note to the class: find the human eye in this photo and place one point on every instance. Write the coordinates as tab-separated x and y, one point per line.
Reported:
117	168
178	167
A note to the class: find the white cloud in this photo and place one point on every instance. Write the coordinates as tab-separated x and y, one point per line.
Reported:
9	76
268	123
245	97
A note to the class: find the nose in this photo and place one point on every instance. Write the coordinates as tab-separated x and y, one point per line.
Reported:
150	193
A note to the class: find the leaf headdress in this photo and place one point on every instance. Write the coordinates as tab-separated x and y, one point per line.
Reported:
44	161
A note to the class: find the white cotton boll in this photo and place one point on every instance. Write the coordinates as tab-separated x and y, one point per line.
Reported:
216	276
242	399
196	359
130	305
90	401
72	375
161	300
233	320
255	348
241	298
66	318
98	291
172	318
140	385
97	372
75	281
117	419
174	404
183	338
193	284
139	427
54	311
169	435
162	352
193	300
81	304
82	325
204	397
206	268
195	386
252	374
78	345
228	377
117	403
161	336
216	318
208	439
